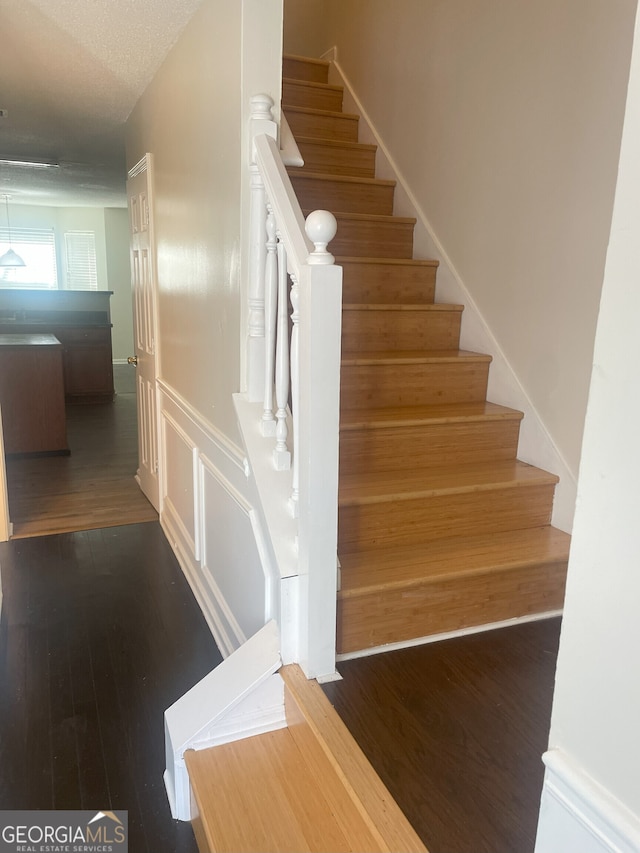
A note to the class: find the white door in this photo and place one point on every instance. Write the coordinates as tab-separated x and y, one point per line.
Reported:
143	282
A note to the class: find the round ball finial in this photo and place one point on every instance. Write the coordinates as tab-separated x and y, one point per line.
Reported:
261	107
321	227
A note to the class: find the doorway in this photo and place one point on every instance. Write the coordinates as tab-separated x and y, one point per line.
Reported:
92	487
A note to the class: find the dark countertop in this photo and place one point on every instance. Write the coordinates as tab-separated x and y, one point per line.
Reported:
29	341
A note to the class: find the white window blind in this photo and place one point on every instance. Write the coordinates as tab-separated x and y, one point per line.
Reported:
37	248
80	248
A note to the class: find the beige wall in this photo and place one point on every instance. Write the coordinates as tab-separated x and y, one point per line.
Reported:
189	119
505	118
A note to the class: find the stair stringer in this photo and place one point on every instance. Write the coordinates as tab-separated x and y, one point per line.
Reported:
243	696
536	445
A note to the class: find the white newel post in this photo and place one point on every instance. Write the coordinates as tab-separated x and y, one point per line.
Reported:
320	313
261	123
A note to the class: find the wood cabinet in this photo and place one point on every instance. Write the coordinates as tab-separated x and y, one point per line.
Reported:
32	394
86	358
88	366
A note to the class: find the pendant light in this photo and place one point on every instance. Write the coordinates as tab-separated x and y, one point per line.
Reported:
10	258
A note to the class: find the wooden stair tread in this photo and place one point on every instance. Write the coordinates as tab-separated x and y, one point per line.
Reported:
403	306
375	418
316	112
309	60
365	572
296	172
311	84
414	357
370	217
384	486
307	787
334	143
398	262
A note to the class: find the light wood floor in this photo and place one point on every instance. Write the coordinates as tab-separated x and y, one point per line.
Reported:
94	486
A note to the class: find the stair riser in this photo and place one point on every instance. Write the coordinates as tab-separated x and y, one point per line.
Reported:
358	162
448	605
298	68
344	127
339	196
395	283
301	94
377	331
361	238
431	446
413	384
419	520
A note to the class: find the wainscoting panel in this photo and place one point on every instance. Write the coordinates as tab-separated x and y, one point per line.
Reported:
208	514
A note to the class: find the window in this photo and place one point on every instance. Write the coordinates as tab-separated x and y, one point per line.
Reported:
37	248
80	248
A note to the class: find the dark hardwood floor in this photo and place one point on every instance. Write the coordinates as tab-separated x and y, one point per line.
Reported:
100	633
456	731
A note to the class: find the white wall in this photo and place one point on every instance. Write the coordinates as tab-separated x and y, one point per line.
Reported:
595	728
505	119
191	119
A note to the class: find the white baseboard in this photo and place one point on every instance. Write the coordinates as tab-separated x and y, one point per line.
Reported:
536	446
578	814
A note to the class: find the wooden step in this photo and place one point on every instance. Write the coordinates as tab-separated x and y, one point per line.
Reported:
343	193
387	280
400	508
400	439
361	235
413	378
317	96
305	68
307	787
401	593
377	327
322	124
337	156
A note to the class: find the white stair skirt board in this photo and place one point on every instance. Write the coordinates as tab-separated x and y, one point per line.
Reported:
578	814
243	696
536	445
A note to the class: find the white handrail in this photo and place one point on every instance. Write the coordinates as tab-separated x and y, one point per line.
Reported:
283	201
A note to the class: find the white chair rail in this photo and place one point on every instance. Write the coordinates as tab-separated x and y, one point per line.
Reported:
293	366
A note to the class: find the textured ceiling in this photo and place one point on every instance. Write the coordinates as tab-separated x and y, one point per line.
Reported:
71	71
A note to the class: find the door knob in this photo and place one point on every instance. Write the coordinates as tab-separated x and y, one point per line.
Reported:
133	359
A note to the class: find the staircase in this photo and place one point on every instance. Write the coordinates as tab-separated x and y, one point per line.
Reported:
440	526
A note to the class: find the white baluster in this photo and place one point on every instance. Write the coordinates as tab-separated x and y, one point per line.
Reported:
321	227
268	423
261	122
295	394
257	250
281	454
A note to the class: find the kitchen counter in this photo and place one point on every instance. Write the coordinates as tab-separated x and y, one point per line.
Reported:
81	320
32	394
